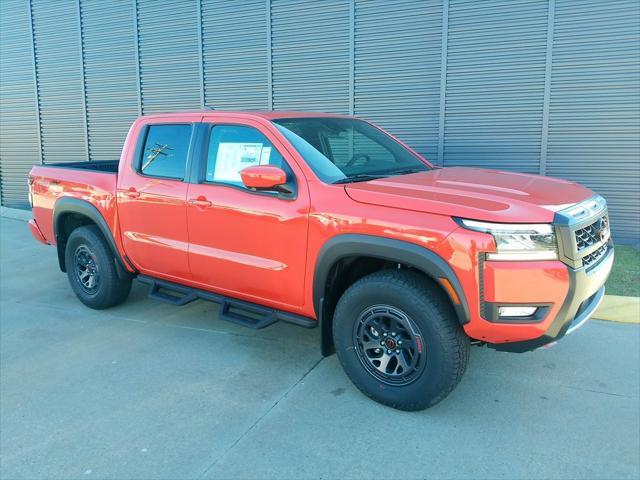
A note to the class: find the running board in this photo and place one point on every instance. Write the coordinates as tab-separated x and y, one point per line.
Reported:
173	294
232	310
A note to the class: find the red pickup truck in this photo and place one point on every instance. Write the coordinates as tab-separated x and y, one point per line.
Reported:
327	220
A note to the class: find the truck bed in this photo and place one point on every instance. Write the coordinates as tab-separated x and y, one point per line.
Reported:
94	182
109	166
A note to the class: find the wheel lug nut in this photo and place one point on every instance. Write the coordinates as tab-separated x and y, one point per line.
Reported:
388	352
393	334
382	343
399	342
385	334
397	350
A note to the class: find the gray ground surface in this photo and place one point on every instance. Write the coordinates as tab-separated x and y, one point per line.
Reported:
147	390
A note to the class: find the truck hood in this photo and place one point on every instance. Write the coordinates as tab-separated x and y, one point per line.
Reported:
479	194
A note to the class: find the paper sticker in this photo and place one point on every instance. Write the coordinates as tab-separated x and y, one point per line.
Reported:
264	157
233	157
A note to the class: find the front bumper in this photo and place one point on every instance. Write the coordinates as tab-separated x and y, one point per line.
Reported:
586	291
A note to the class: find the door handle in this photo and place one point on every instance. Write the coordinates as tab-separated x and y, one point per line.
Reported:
132	193
201	201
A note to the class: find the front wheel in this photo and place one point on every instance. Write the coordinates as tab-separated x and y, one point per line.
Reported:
91	269
399	340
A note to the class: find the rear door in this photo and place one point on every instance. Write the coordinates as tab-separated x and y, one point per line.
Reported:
250	245
152	198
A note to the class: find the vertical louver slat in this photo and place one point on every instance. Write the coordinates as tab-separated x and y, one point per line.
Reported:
110	74
495	84
397	68
57	48
18	109
310	42
235	54
594	117
169	60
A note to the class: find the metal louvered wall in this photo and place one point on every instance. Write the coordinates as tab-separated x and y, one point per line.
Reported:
19	129
169	55
540	86
310	55
495	84
594	117
57	49
109	73
399	91
234	49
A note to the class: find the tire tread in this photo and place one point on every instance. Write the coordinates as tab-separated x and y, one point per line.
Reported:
116	289
452	336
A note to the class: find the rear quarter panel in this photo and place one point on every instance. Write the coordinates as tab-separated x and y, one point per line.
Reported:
50	183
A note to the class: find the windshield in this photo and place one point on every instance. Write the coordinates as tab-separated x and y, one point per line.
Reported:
341	150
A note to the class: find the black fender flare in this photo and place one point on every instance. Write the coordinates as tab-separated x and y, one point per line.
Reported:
69	205
390	249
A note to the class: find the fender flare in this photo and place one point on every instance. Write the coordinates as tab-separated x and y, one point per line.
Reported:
67	205
399	251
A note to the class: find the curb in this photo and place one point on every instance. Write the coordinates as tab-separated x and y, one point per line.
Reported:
616	308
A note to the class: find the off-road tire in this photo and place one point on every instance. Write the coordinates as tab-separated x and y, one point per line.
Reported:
445	345
110	290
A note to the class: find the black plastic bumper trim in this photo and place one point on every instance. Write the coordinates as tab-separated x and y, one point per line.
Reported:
492	313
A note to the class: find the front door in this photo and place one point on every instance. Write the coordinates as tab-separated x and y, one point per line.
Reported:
246	244
152	201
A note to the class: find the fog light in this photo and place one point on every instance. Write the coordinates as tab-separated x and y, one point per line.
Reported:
516	311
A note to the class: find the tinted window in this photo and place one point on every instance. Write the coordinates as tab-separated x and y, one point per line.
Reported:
342	145
338	149
233	147
165	151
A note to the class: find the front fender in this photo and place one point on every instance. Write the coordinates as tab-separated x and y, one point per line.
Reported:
399	251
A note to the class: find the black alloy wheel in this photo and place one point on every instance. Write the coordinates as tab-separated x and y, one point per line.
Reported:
389	345
91	269
399	340
86	269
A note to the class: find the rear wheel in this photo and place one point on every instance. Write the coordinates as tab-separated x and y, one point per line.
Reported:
91	269
399	340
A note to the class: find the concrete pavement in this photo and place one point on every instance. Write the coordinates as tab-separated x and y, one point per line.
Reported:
148	390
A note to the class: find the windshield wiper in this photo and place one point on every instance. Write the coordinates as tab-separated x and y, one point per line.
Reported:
360	177
406	171
363	177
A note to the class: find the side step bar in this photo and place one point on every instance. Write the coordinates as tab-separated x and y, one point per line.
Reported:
240	312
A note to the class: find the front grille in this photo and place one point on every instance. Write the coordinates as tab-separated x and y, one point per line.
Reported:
584	237
590	235
592	259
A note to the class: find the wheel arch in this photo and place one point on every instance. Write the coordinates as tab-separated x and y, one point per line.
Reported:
384	251
71	213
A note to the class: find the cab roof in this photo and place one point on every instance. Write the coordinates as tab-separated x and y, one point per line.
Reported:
268	115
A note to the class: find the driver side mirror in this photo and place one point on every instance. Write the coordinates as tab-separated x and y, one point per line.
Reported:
265	178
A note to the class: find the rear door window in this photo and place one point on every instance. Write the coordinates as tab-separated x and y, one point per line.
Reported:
165	151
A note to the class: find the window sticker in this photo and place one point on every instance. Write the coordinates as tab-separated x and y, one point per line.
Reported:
264	156
233	157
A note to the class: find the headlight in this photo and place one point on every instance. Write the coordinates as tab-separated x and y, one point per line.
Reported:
536	241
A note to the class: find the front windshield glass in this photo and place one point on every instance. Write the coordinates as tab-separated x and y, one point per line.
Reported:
341	150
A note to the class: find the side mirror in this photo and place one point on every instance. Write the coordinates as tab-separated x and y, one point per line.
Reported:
264	177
